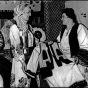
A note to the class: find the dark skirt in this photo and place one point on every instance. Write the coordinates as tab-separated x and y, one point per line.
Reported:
5	71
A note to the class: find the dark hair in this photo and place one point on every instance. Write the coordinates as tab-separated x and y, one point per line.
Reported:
70	13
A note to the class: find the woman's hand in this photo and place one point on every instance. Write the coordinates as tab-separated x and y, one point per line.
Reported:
19	50
24	66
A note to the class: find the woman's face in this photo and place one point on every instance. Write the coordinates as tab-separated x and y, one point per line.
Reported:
26	14
65	19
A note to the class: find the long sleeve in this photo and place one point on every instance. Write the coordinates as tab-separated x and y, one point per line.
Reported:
14	36
33	62
83	37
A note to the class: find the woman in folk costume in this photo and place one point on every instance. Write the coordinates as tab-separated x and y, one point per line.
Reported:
17	37
73	44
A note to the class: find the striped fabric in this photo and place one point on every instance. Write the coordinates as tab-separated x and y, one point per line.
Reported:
1	41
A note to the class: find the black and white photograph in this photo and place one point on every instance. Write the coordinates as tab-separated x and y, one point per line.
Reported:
43	44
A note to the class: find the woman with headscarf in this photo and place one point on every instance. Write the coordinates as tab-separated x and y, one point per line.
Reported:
40	64
73	43
18	33
33	66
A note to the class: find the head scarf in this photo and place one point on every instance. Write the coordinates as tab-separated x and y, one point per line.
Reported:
20	9
18	12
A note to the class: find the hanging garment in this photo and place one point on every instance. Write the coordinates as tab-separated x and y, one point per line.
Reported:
46	61
41	56
57	77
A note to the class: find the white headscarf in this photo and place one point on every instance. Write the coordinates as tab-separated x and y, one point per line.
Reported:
19	11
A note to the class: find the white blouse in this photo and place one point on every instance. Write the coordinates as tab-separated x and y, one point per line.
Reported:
64	43
15	36
82	39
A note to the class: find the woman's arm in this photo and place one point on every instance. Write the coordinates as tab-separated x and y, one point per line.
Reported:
83	36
